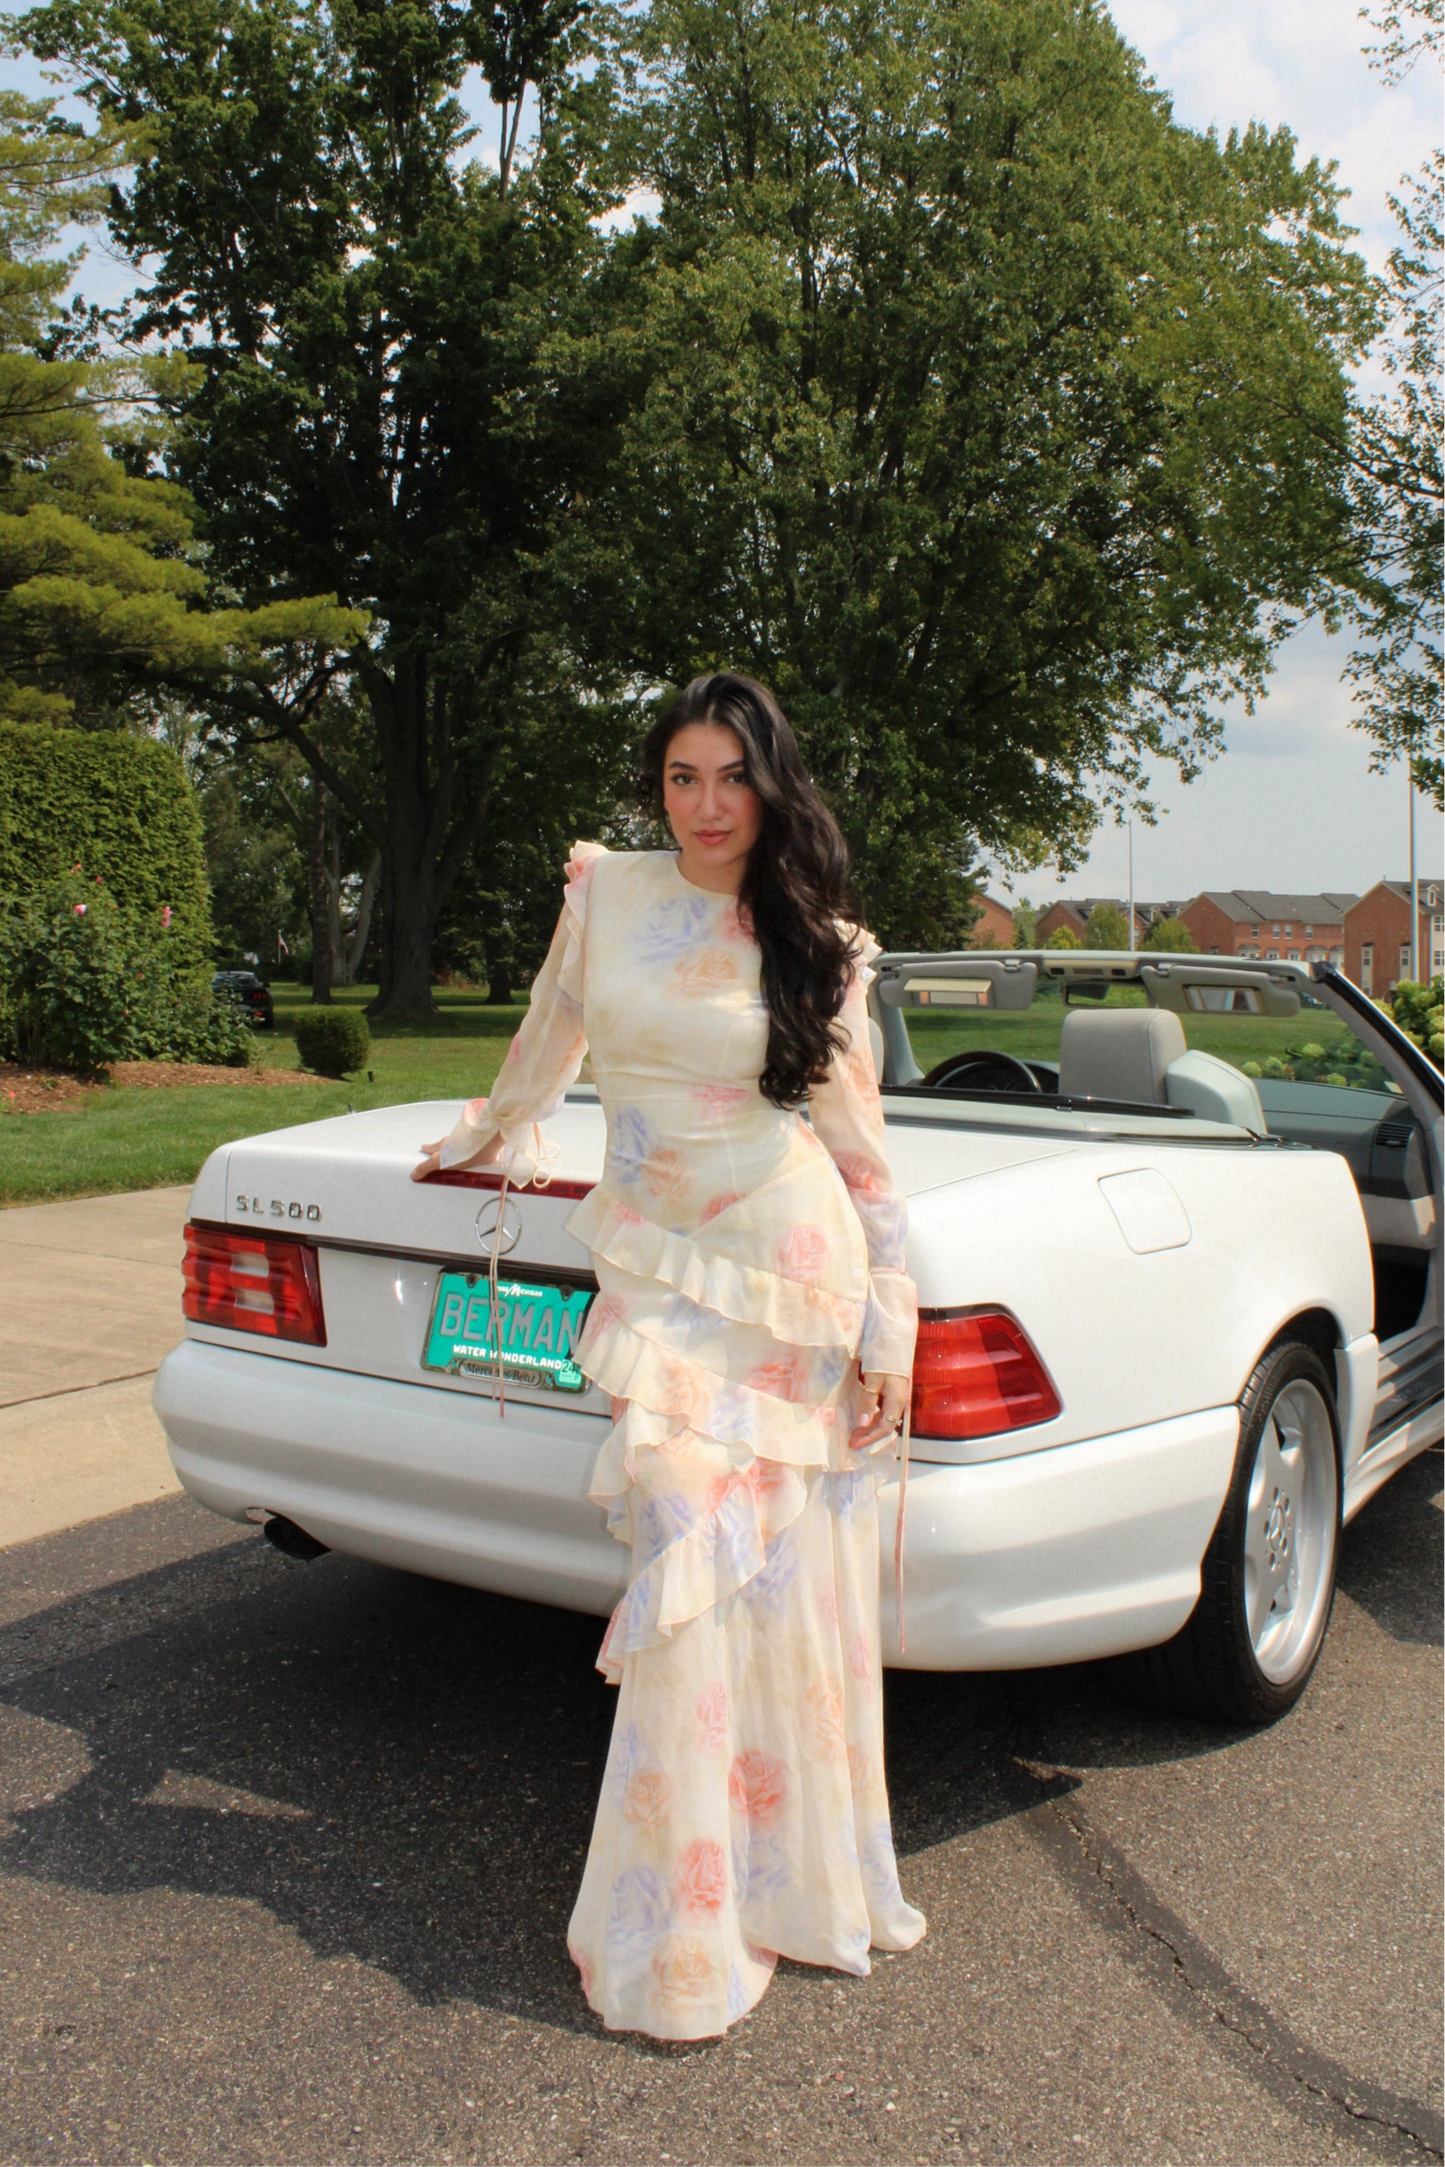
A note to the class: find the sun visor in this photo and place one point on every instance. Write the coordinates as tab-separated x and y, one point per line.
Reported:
956	982
1216	992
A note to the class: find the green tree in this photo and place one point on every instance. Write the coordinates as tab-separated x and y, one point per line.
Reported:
1063	936
1107	927
1026	923
990	415
366	310
1399	489
1170	936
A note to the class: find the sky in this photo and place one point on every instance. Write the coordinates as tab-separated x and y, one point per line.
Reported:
1290	804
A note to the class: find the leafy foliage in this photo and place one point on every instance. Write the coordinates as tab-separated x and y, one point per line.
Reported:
120	805
84	983
1417	1010
1063	936
1107	927
333	1041
369	416
1170	936
989	415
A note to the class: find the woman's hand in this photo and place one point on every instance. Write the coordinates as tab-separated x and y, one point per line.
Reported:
881	1408
432	1157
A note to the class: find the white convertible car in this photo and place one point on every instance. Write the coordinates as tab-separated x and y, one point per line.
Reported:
1174	1228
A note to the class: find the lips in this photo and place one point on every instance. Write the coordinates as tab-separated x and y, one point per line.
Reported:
708	836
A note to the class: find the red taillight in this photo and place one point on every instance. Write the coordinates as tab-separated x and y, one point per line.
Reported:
246	1283
974	1375
461	1177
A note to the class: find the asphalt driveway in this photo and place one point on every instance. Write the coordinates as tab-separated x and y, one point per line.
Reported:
289	1851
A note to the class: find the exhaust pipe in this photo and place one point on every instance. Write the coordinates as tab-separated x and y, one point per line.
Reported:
292	1541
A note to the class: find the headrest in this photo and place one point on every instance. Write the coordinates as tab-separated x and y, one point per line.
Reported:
1119	1053
875	1041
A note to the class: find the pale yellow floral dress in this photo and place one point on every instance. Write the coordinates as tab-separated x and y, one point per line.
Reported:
745	1260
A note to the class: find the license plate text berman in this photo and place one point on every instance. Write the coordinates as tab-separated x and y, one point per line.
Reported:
540	1326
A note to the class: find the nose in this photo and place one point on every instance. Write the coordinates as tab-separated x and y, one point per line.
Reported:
709	801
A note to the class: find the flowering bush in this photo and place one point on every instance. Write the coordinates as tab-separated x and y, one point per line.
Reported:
82	984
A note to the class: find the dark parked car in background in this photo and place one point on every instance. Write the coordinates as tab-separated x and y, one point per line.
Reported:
253	994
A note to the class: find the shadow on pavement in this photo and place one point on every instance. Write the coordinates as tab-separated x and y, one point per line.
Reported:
1391	1564
404	1772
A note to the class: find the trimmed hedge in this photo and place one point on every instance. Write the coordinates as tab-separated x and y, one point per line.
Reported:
333	1041
118	806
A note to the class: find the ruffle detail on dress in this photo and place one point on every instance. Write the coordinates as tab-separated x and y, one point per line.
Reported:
580	867
697	1550
678	1396
801	1316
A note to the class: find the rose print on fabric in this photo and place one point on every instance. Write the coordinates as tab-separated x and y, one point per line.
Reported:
760	1868
647	1800
710	971
884	1220
802	1254
670	928
845	1492
637	1916
717	1204
632	1140
684	1972
826	1705
474	1112
735	922
757	1786
702	1879
860	1657
784	1378
767	1588
665	1173
660	1523
878	1863
719	1102
712	1717
859	1173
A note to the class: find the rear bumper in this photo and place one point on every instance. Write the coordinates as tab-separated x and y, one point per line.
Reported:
1050	1557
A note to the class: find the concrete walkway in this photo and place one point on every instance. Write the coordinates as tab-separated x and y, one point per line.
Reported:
90	1303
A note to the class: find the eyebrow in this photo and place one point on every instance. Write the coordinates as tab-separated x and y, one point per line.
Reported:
687	767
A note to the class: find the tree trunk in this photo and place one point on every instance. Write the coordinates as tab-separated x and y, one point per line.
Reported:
361	931
320	901
405	993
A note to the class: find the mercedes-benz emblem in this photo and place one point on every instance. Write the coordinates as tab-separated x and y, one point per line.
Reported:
511	1225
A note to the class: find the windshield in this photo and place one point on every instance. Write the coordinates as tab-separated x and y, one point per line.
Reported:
1279	1053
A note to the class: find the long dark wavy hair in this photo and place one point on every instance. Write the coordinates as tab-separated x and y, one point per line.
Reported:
795	888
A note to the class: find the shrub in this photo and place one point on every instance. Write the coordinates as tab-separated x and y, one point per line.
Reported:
1417	1010
333	1041
1170	936
83	984
1107	927
1063	937
123	807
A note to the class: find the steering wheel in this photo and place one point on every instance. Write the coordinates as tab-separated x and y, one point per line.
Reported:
983	1068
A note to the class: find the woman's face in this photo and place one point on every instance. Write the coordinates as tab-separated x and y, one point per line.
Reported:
712	810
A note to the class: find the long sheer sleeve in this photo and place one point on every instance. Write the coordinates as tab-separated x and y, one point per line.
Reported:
847	1116
548	1050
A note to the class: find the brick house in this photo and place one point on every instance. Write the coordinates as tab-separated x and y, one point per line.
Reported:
1377	935
994	926
1075	915
1255	922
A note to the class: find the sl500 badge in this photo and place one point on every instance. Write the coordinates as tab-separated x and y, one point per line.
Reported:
254	1208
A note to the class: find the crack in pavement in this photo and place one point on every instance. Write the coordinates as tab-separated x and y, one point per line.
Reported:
1103	1879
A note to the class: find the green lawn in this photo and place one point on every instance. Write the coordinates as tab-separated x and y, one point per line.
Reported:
147	1139
1033	1034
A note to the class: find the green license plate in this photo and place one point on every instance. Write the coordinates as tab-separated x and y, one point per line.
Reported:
540	1325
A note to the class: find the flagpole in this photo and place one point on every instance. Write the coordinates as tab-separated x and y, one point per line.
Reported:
1414	882
1131	875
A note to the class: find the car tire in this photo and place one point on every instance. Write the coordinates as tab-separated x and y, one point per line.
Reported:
1267	1581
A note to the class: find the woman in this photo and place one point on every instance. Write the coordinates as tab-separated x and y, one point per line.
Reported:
745	1261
